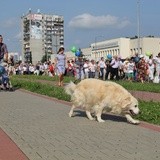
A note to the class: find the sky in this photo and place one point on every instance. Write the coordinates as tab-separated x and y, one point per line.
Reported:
85	21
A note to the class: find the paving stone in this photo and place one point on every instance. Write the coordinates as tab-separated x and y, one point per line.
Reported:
41	128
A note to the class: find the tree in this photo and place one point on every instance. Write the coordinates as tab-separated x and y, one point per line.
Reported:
44	58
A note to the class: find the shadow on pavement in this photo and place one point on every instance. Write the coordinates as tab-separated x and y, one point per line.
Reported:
79	113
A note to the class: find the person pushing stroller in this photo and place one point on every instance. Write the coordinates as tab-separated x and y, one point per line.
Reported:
5	83
4	78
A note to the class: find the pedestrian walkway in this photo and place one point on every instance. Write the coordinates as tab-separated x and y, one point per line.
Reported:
41	129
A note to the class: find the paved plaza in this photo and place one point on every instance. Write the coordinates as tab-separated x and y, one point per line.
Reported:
38	128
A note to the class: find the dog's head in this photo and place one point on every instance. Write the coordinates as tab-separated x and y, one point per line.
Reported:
131	106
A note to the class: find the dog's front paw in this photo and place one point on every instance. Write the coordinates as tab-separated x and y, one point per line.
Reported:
91	118
134	122
100	120
70	114
131	120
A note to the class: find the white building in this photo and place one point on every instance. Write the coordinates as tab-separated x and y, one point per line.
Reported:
125	47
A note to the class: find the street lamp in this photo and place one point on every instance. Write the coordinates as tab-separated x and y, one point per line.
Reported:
138	24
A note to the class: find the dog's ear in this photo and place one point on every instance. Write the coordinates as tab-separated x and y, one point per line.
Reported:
125	102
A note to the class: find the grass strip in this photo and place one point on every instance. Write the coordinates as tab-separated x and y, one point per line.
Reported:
134	86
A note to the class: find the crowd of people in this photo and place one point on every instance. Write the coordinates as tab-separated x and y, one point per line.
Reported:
137	68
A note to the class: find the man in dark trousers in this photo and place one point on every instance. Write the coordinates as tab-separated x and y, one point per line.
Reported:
3	51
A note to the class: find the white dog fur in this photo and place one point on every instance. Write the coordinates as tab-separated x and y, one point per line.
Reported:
96	96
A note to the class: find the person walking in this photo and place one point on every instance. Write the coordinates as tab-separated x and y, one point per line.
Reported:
3	59
115	66
157	61
101	67
142	69
60	62
151	68
86	68
3	51
79	63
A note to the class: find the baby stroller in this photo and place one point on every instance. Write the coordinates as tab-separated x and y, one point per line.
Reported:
5	83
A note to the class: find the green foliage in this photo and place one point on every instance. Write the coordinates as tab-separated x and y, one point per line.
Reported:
45	89
150	112
44	58
135	86
67	79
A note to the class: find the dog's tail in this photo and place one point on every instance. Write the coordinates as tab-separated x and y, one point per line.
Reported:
69	89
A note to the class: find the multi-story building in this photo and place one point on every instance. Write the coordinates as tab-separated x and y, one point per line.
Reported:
42	35
123	47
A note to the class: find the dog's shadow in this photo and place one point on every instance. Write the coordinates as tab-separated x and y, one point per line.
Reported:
105	116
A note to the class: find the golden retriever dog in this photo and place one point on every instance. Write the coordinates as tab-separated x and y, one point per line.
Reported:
96	96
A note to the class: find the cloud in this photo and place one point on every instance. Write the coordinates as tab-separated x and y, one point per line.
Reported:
123	24
9	23
19	35
88	21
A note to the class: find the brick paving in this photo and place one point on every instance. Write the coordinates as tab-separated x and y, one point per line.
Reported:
8	149
41	129
146	96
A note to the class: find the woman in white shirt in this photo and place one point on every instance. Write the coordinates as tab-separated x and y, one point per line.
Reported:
86	68
157	61
151	67
102	67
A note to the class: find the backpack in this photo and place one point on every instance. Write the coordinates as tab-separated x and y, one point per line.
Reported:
1	51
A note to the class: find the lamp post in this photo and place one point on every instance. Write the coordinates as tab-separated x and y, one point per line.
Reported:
138	24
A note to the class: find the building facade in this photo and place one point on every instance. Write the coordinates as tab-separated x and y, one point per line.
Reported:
122	47
42	35
125	47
